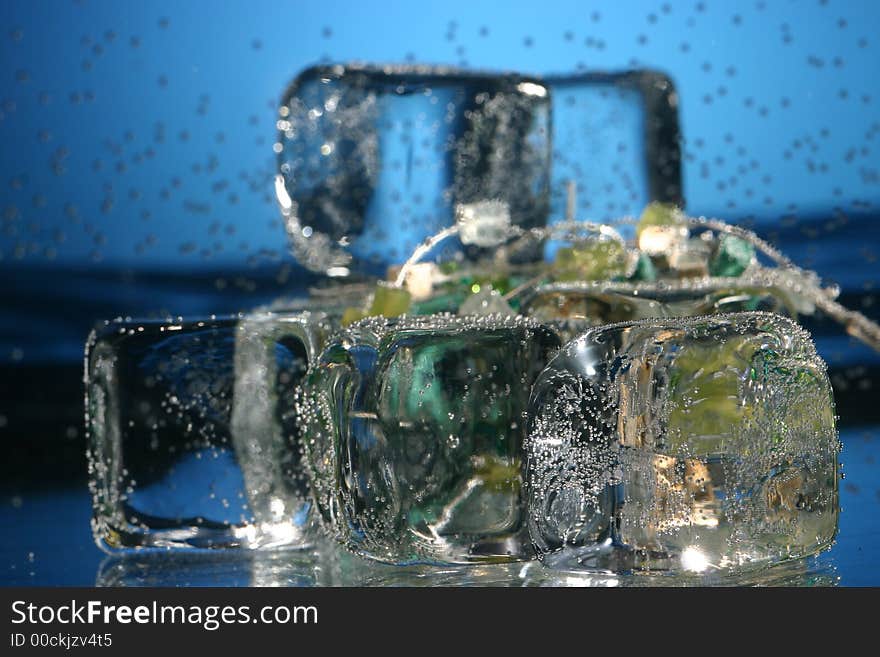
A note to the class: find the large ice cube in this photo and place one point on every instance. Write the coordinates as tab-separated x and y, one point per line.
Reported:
690	444
192	439
414	431
374	160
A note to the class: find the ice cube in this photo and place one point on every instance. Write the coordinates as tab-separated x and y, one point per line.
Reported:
180	415
372	161
414	431
683	445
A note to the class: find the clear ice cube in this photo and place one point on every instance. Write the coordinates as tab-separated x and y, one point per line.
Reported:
373	161
414	431
192	435
702	444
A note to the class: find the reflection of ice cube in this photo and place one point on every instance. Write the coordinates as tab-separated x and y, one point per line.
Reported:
374	160
693	444
414	436
177	413
207	568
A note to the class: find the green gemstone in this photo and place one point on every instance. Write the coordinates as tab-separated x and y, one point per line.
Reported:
590	260
351	315
732	256
645	269
659	214
390	301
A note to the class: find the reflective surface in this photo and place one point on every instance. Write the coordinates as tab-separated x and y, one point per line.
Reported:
328	566
63	552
